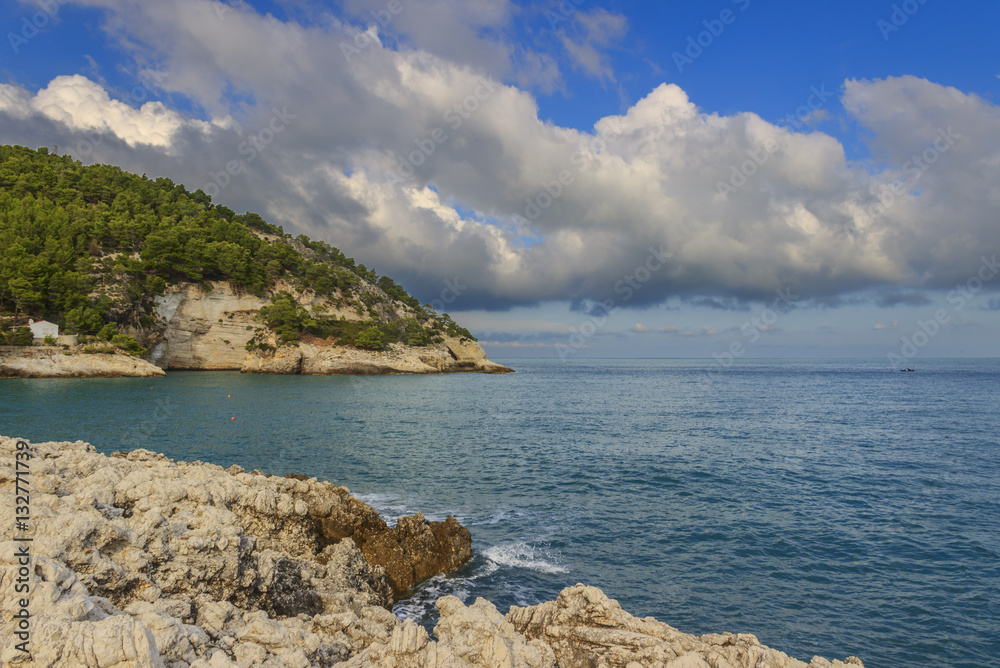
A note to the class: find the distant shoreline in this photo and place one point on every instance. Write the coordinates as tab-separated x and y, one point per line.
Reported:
58	362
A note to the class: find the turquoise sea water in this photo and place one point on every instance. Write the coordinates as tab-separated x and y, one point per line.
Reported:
830	508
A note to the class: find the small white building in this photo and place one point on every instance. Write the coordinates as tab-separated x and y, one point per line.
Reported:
43	328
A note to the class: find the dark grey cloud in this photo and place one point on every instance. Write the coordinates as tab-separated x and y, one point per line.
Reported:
900	298
727	304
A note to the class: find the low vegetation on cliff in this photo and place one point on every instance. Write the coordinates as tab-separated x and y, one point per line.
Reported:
91	248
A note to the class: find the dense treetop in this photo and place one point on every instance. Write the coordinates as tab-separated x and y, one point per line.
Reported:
85	247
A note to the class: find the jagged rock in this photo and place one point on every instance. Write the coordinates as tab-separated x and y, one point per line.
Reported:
474	636
143	562
586	628
197	558
417	549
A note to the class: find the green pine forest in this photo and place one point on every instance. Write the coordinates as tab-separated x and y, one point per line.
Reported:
90	247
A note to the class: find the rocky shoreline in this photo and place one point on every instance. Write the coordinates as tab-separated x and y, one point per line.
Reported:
57	362
207	328
141	561
317	359
303	359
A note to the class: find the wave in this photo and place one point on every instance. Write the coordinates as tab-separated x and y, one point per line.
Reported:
501	514
522	555
420	606
393	506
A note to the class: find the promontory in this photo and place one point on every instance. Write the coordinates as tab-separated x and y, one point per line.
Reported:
134	276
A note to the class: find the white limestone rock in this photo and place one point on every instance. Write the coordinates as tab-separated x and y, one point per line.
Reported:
140	561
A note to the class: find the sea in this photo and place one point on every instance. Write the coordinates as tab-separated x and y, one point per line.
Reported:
830	507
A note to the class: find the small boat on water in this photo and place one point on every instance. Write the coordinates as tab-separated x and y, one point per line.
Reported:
906	370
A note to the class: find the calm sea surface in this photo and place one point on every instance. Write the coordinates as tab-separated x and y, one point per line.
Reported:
830	508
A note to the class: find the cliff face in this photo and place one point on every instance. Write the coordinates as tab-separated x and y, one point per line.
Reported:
205	330
311	359
142	562
210	329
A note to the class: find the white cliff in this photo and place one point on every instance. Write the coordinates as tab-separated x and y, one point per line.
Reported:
210	329
205	330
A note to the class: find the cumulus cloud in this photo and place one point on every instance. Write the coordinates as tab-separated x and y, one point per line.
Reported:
82	105
412	158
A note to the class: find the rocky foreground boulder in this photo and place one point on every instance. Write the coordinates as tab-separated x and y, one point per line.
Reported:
140	561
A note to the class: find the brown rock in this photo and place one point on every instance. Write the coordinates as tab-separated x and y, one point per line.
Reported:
417	549
410	552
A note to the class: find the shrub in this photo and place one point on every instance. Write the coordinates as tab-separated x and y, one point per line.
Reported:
286	318
20	336
49	340
128	344
370	339
108	331
84	320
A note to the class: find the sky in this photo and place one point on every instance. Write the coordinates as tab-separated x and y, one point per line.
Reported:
717	179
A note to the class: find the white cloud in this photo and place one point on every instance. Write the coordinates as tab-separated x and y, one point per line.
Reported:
83	106
650	180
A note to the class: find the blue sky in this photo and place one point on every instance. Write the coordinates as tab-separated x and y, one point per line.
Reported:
647	111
